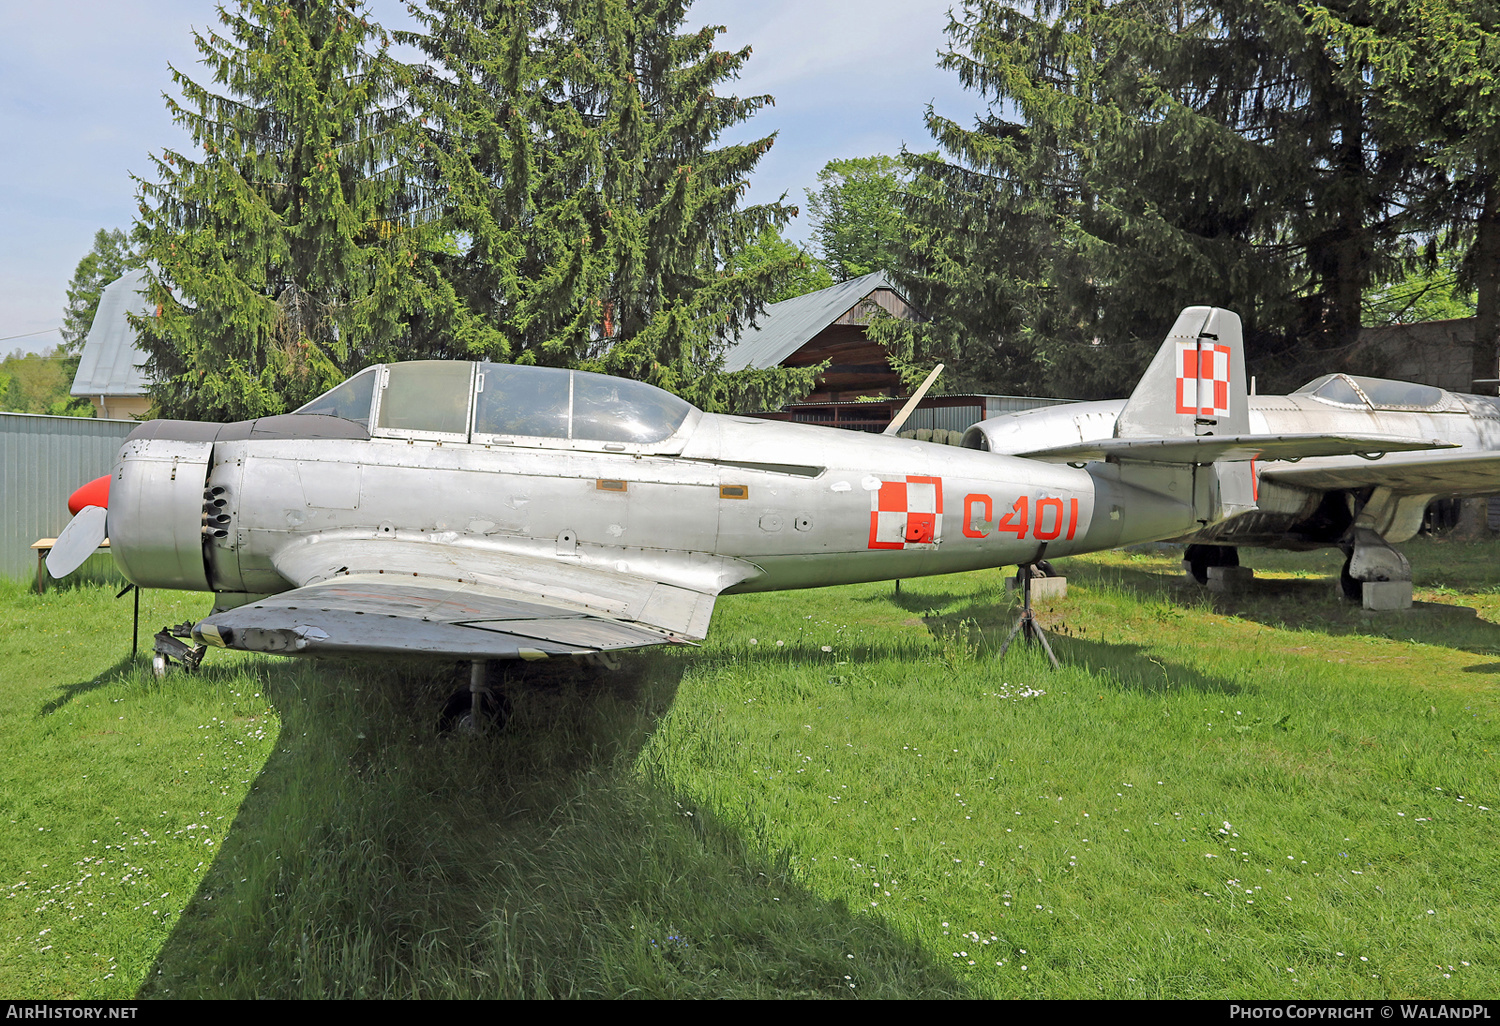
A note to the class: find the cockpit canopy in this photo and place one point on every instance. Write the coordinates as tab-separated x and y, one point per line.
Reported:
1375	393
503	403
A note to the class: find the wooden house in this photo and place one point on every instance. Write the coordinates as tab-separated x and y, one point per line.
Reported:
830	324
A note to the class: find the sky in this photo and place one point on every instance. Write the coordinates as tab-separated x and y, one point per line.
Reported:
81	111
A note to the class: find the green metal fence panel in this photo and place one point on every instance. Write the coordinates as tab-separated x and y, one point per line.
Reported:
42	460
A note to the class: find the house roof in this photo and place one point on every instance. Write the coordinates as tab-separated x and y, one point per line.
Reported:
111	364
787	326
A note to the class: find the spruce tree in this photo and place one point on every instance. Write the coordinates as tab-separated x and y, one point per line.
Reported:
1433	68
286	256
1142	157
573	146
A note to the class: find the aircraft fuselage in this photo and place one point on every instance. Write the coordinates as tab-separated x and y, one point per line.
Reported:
742	504
1292	516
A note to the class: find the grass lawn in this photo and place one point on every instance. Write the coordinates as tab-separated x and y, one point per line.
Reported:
842	793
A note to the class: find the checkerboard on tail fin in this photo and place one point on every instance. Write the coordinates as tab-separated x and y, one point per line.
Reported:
1195	385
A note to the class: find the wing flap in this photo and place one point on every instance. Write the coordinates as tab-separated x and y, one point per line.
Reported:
581	633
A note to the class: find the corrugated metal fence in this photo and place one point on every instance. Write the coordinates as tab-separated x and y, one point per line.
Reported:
961	418
42	460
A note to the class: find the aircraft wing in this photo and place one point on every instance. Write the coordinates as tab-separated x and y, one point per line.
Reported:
1211	448
394	597
1461	473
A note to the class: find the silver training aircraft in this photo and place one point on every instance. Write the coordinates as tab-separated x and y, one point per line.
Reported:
481	511
1360	506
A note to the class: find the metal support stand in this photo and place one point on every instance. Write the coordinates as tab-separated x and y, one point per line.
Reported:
135	622
1026	624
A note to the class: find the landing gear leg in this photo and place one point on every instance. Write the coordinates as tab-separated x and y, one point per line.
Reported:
478	692
1026	624
168	651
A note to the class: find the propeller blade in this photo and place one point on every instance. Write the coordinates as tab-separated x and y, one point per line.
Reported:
77	541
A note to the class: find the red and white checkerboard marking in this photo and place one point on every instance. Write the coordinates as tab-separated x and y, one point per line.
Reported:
1203	379
906	513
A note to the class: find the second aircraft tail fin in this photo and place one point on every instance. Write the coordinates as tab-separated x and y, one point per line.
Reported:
1196	385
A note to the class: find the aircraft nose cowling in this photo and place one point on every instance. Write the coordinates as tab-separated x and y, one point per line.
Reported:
157	514
95	493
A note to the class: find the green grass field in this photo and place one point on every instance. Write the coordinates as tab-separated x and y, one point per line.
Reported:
842	793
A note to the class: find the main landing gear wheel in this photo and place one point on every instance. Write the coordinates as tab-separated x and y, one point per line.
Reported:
1041	568
478	708
1352	589
459	717
1370	559
1197	559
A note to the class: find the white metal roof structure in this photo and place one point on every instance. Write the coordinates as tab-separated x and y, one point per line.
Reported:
111	363
786	326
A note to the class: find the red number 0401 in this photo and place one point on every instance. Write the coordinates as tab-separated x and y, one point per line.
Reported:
1048	525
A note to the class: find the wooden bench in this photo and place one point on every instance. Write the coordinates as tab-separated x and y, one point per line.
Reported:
44	546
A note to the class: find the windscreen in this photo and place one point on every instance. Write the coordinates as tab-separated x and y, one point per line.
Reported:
351	400
1333	387
620	410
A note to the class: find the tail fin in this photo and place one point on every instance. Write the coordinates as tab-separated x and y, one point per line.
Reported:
1196	385
1188	421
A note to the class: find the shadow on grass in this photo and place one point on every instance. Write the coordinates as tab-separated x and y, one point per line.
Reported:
1125	665
1313	604
1131	667
373	859
975	632
208	674
915	598
67	694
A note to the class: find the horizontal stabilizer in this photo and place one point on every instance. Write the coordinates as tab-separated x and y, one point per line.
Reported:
1205	449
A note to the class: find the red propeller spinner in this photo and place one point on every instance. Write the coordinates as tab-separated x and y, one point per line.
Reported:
95	493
